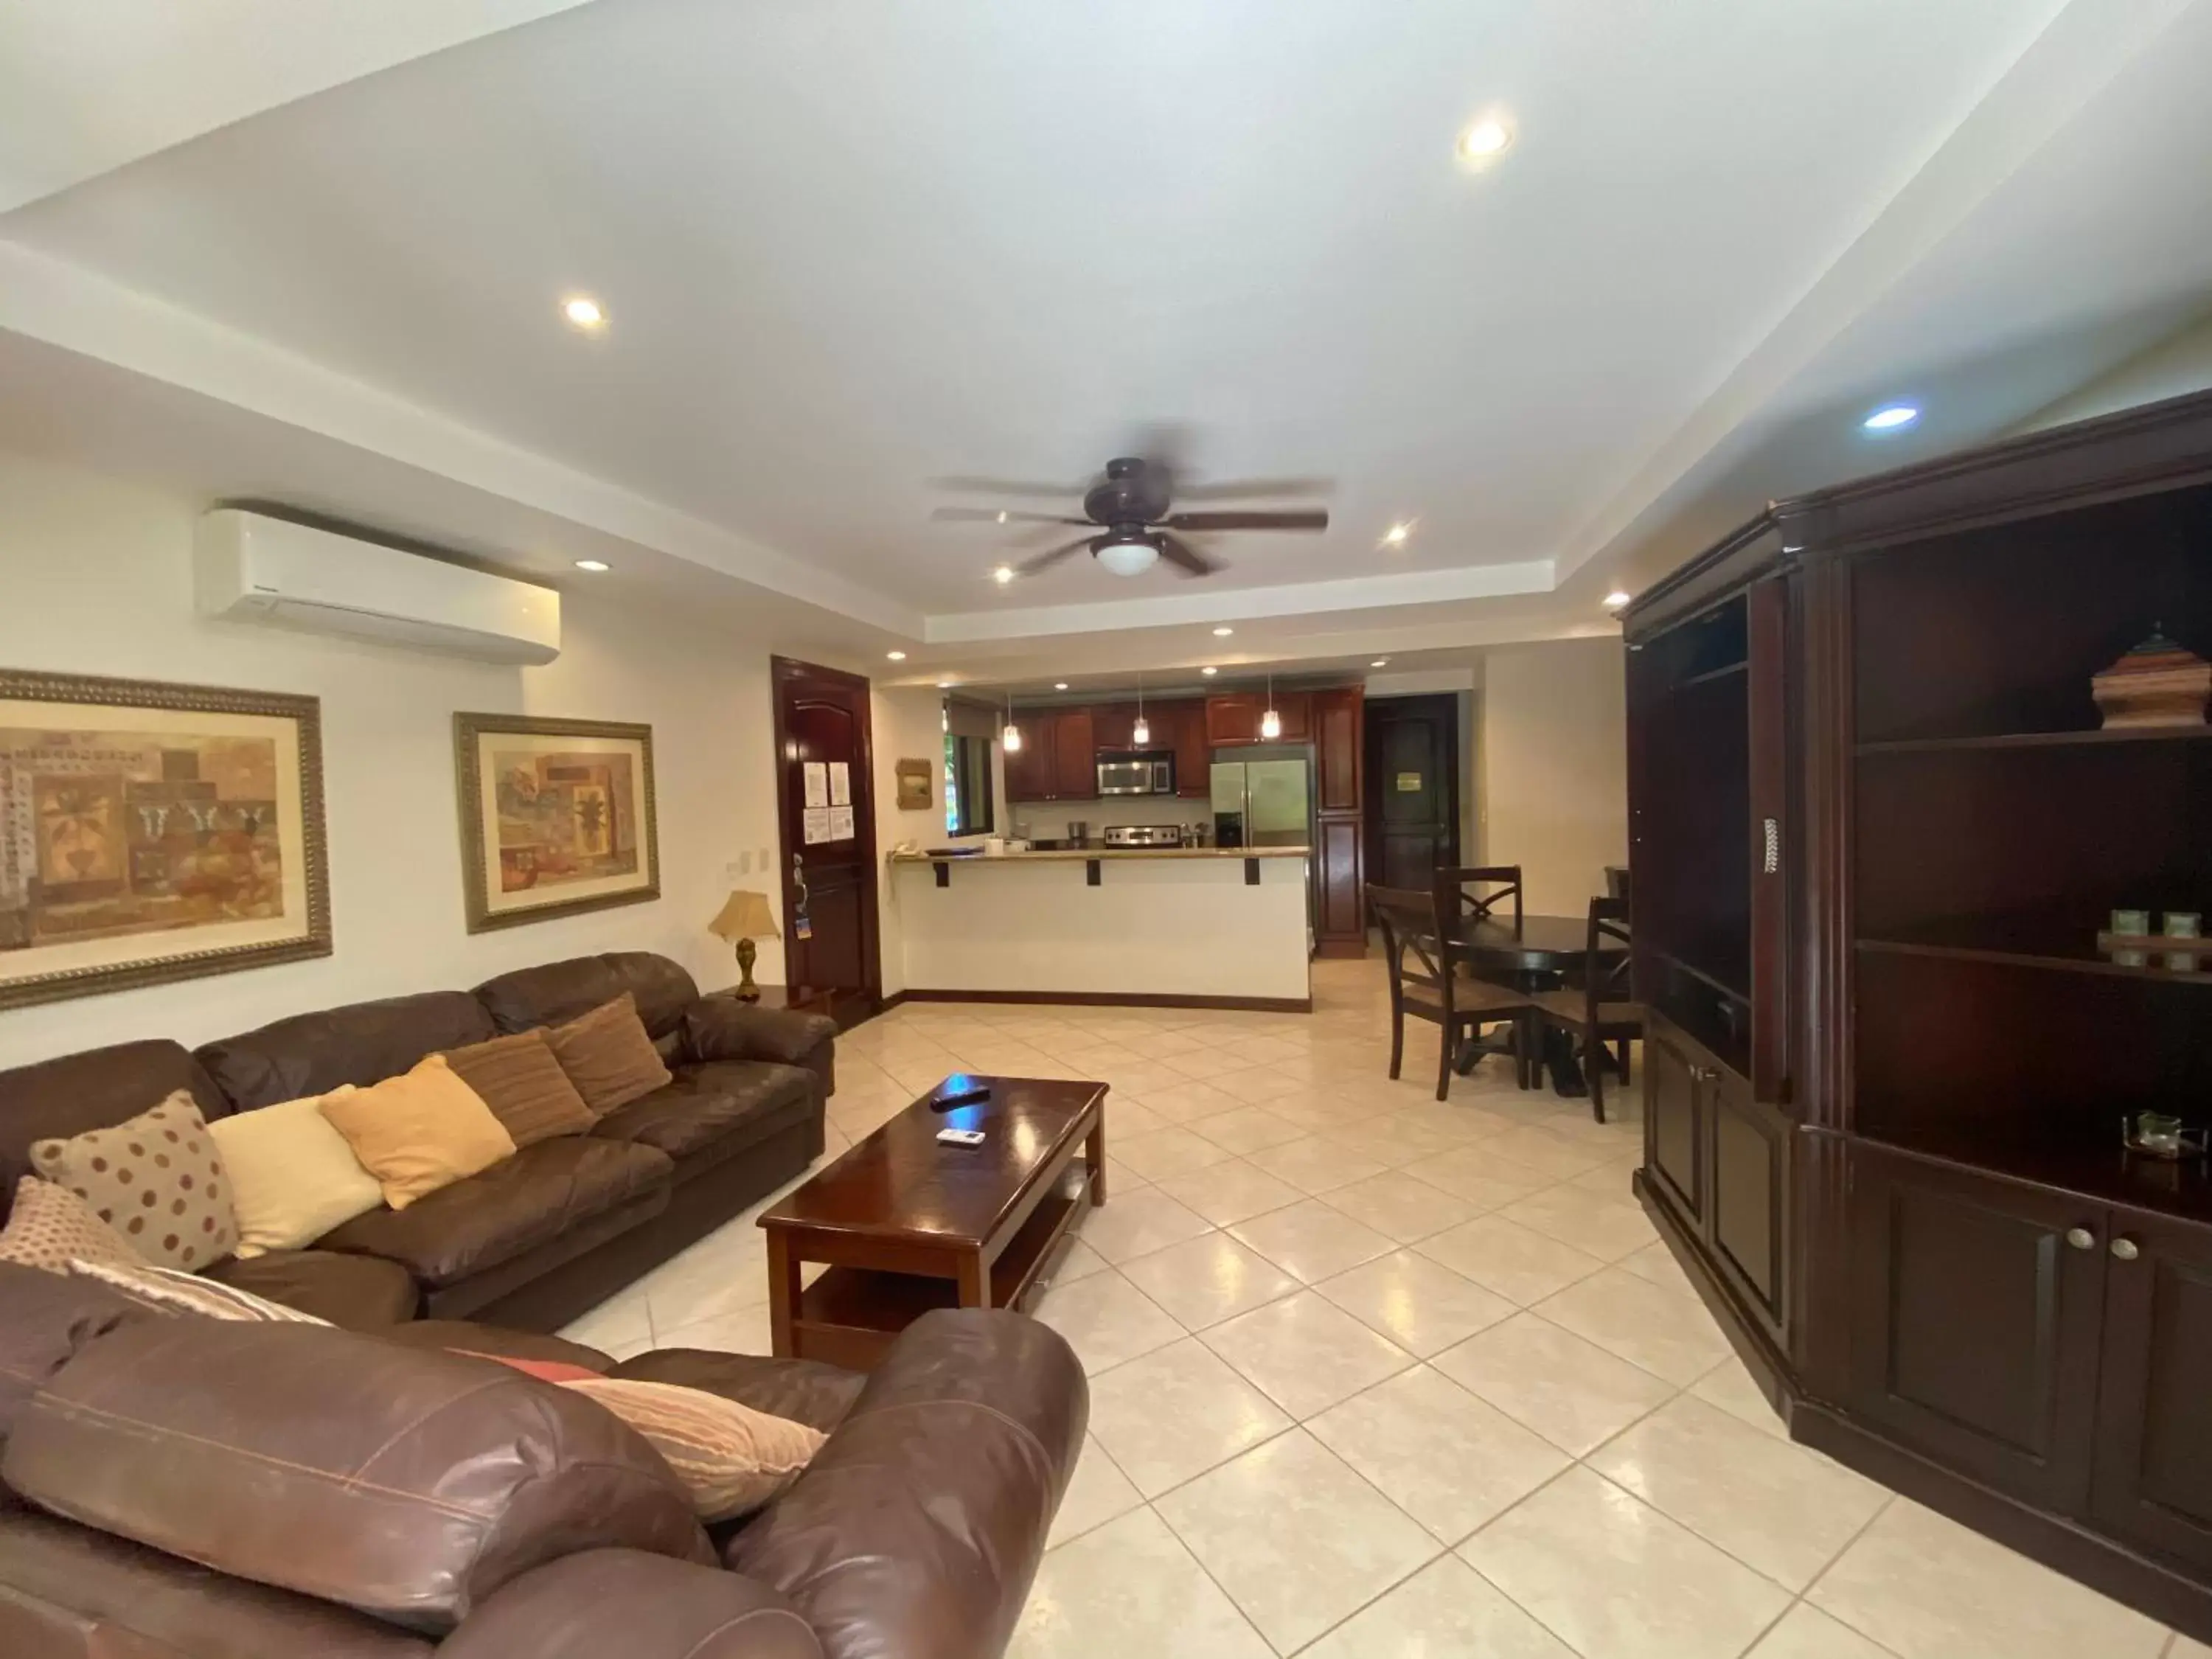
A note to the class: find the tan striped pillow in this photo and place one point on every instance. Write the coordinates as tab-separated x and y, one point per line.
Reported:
730	1458
608	1055
167	1291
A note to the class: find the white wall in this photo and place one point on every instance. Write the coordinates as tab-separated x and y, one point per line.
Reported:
906	723
2180	364
1553	753
95	578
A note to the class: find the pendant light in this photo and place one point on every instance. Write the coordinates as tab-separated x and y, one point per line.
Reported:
1011	738
1271	723
1140	734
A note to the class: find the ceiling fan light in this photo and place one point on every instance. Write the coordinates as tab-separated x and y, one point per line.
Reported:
1128	558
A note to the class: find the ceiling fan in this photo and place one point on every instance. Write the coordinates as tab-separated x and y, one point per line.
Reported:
1128	525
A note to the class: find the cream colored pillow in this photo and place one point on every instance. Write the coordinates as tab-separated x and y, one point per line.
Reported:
420	1131
292	1176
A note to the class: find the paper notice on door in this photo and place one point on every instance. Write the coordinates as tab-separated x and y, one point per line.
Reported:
817	783
841	784
841	824
815	826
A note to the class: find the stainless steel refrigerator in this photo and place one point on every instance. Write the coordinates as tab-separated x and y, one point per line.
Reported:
1265	797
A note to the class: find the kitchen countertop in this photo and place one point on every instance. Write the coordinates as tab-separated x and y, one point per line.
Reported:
1082	854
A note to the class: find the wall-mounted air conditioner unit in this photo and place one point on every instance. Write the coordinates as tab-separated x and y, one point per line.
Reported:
251	568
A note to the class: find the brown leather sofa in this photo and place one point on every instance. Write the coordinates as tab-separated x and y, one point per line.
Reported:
537	1239
184	1488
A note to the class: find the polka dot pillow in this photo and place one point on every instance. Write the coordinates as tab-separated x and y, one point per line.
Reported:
158	1180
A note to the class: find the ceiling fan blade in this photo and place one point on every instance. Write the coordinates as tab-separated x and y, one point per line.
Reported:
1310	518
994	515
1030	567
1015	487
1234	489
1185	558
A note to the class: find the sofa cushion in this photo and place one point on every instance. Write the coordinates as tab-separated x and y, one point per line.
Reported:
805	1390
354	1292
513	1207
559	991
608	1055
420	1132
522	1082
362	1043
723	1028
702	1104
292	1176
44	1319
95	1090
157	1178
404	1483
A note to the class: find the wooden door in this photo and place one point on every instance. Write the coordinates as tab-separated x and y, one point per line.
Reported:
1194	755
825	750
2153	1466
1411	788
1030	772
1075	756
1975	1310
1674	1122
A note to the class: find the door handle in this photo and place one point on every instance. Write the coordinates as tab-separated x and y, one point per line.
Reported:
2125	1249
1772	861
2081	1238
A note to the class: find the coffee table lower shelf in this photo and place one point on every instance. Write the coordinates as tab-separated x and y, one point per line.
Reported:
850	1316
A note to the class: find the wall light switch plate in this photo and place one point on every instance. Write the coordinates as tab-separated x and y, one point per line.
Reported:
734	872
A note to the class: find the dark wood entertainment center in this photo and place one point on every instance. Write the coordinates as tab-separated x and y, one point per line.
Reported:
1877	831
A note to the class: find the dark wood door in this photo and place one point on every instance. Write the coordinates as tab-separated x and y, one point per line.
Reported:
1976	1308
2154	1473
1411	777
1031	774
825	750
1075	756
1194	755
1674	1122
1340	922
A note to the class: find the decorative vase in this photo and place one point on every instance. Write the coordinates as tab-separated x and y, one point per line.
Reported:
2158	683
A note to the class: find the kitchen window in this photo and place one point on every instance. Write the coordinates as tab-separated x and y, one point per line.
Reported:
967	786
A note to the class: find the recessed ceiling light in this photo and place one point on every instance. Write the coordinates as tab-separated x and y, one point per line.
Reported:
1003	574
1222	633
1002	517
1486	140
945	685
895	656
583	310
1398	533
1380	662
1892	417
1060	686
1616	599
593	565
1209	671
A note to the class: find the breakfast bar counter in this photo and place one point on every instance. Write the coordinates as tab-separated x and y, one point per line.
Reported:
1205	927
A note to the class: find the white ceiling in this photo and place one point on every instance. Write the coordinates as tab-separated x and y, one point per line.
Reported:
850	247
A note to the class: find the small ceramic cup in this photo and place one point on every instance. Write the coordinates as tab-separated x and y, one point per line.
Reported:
2181	924
2132	924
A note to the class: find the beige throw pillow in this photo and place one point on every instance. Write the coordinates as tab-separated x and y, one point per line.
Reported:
292	1176
51	1227
420	1131
608	1056
525	1086
158	1180
730	1458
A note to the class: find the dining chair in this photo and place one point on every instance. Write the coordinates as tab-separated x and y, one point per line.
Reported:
1617	882
1427	987
1603	1009
1462	906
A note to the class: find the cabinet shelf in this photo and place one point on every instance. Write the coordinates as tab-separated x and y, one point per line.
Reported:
2037	740
2018	947
2097	1171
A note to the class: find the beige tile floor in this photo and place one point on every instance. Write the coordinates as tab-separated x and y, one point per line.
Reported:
1378	1378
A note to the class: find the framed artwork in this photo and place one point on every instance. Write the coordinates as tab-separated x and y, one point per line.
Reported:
556	818
151	832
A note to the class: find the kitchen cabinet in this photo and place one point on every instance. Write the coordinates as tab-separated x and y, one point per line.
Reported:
2153	1475
1112	725
1031	774
1675	1124
1338	731
1234	718
1075	756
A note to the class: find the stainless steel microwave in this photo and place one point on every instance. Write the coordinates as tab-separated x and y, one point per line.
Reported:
1141	772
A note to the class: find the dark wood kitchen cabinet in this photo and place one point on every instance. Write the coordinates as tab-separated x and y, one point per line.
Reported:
1194	755
1113	726
1339	726
1876	826
1032	772
1336	719
1075	756
1234	718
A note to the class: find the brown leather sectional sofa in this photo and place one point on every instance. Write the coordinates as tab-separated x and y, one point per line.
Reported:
532	1241
174	1488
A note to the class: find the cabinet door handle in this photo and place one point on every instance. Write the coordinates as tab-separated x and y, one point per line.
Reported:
2125	1249
2081	1238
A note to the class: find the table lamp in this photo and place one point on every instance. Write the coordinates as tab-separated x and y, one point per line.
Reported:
744	917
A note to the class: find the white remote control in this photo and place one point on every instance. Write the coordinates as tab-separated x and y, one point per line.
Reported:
960	1137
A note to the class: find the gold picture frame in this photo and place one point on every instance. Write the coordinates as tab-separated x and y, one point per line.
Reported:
152	832
555	807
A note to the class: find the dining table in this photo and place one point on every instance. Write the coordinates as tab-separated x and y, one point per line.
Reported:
1540	953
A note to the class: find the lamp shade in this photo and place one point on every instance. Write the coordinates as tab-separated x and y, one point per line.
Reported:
744	914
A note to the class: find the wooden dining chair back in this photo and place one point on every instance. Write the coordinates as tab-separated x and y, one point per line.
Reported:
1603	1008
1424	983
1463	906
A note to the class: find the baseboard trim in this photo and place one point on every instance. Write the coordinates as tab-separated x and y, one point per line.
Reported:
1341	950
1112	1000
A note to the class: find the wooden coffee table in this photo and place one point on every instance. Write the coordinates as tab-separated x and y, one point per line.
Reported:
906	1225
